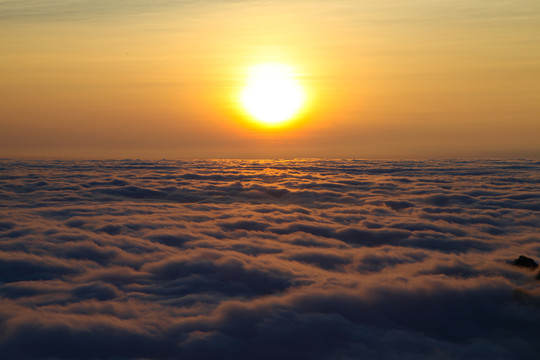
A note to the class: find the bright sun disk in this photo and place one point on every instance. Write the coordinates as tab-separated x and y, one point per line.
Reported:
272	95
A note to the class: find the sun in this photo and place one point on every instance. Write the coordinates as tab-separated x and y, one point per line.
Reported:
272	95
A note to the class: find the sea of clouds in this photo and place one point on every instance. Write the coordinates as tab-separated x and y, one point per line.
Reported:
300	259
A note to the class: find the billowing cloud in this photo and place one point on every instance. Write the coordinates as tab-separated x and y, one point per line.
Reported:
265	259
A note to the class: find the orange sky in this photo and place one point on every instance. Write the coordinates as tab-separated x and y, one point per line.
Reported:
161	79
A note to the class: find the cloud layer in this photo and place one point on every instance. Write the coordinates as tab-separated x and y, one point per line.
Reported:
269	259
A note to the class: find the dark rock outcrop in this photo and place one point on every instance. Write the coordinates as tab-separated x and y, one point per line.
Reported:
523	261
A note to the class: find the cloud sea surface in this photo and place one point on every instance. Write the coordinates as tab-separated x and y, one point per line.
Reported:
300	259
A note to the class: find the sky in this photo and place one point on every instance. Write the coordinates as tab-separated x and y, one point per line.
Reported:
160	79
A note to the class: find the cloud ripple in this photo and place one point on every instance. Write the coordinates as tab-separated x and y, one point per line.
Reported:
307	259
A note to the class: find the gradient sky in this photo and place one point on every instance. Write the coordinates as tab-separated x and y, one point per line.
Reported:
153	79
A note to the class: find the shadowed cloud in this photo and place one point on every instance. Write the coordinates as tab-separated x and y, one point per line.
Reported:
307	259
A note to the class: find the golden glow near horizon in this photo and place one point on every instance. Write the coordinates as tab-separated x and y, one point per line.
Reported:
272	95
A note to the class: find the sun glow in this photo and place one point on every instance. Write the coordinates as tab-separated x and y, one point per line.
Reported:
272	95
